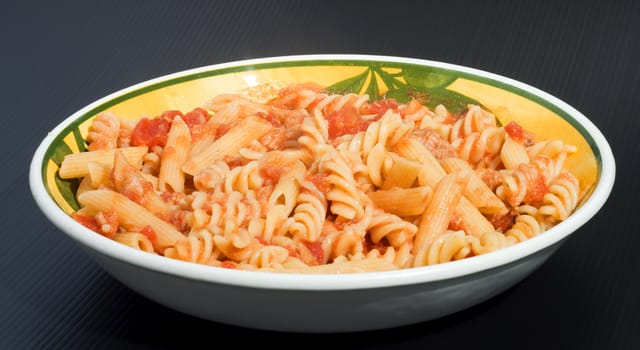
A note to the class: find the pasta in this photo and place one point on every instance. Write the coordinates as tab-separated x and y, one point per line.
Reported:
315	182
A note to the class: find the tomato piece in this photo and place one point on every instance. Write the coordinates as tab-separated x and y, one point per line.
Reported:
271	118
536	189
151	132
150	233
170	115
515	131
346	121
320	181
86	221
228	264
316	249
271	174
380	246
502	222
109	223
197	116
380	107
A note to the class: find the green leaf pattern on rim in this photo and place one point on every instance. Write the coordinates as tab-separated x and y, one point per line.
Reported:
429	86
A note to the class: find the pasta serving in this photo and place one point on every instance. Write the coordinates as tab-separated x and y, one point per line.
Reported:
316	182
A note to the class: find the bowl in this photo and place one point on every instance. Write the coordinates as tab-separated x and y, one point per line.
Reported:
329	302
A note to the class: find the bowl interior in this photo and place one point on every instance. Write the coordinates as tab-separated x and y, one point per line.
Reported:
432	82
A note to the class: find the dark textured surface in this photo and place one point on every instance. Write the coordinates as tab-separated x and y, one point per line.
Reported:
58	57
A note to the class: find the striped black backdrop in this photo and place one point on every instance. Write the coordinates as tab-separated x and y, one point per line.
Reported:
58	56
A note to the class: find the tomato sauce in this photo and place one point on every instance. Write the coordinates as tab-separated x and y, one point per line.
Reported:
380	246
271	118
320	181
228	264
150	233
379	108
502	222
109	223
86	221
536	190
137	190
316	249
346	121
515	131
150	132
271	174
195	118
536	184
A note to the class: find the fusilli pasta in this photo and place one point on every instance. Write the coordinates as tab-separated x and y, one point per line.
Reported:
319	182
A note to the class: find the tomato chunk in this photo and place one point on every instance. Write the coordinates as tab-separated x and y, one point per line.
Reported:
151	132
150	233
228	264
346	121
379	108
515	131
197	116
316	249
86	221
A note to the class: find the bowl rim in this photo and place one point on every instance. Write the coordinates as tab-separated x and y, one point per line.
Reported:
325	282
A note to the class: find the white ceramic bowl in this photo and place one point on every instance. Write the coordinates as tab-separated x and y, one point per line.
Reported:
324	303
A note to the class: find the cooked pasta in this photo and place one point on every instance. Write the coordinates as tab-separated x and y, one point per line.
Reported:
318	182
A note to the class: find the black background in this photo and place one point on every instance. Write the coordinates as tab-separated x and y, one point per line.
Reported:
57	57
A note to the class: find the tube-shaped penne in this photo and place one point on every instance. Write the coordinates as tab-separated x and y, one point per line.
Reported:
240	136
130	181
77	164
477	192
412	148
99	174
438	214
175	154
403	173
432	172
132	216
402	201
513	153
135	240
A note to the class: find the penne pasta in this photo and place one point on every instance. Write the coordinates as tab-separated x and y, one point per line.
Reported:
513	153
135	240
402	201
132	216
99	174
77	164
403	173
240	136
477	192
431	171
438	213
175	154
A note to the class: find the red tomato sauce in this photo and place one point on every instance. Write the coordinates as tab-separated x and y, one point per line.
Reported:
379	108
271	174
536	189
515	131
316	249
228	264
150	132
320	181
153	131
271	118
502	222
346	121
196	117
86	221
150	233
369	245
